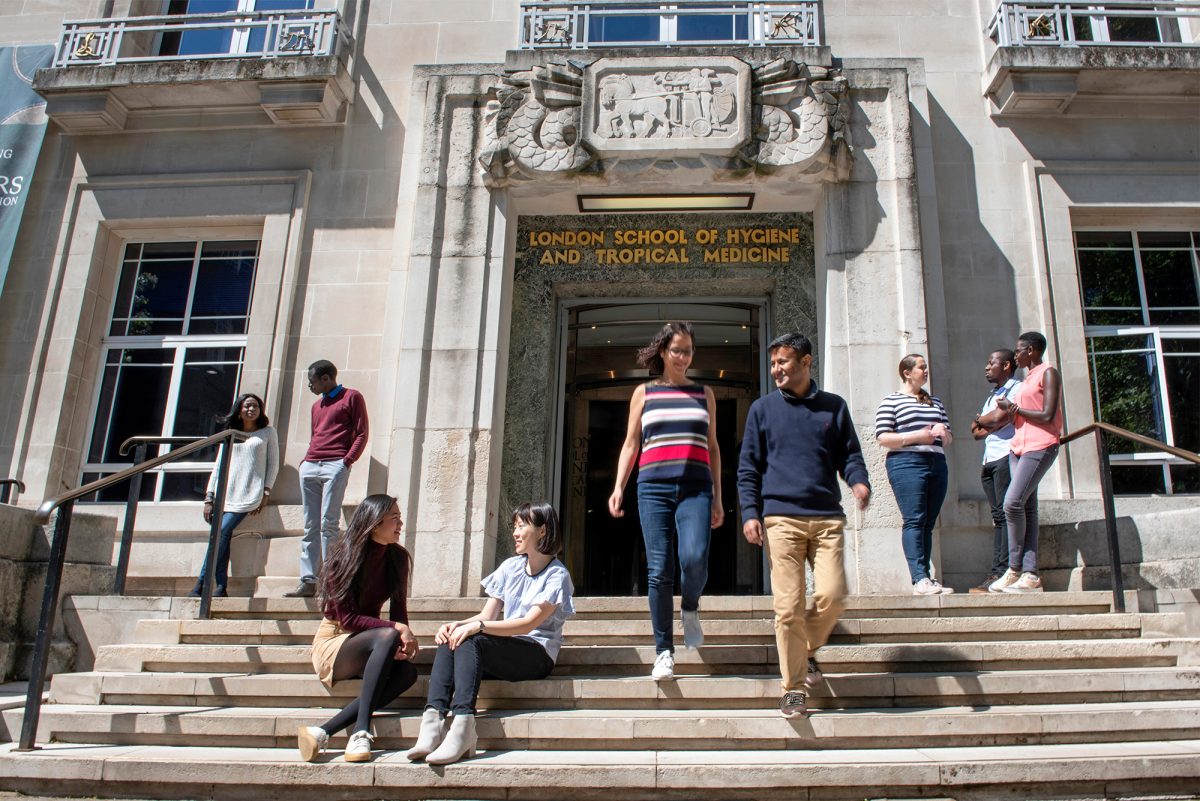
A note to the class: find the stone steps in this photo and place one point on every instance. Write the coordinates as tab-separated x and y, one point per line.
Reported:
1097	770
632	729
635	660
930	689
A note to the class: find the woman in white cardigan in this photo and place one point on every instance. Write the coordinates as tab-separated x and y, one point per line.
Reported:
253	465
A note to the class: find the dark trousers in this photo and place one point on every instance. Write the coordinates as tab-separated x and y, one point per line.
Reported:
454	679
995	478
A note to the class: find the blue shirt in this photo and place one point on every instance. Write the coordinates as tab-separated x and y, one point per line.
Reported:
521	592
995	444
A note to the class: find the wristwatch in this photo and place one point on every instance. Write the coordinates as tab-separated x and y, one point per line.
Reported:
481	627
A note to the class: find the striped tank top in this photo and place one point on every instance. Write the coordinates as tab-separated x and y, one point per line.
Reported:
674	435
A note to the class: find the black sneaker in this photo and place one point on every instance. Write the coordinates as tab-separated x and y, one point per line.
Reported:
793	705
305	589
814	673
196	590
220	592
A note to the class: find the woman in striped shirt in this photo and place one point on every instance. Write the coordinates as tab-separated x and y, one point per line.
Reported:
673	423
913	426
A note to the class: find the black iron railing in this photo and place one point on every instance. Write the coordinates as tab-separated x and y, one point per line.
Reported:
65	505
1102	432
6	487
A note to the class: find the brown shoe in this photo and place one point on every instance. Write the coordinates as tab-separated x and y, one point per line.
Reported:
987	582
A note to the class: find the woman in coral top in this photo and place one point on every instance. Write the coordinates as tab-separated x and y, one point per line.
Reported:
1035	409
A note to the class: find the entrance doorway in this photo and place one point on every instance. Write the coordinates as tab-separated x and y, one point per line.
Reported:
606	555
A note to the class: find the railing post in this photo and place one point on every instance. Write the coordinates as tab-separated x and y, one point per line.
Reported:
1110	521
131	505
214	530
45	631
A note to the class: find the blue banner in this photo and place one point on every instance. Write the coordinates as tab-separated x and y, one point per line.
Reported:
22	126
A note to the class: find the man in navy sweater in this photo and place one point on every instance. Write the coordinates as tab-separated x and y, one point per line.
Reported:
797	440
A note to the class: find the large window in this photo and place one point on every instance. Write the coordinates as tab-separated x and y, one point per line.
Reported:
211	38
656	22
1141	307
172	360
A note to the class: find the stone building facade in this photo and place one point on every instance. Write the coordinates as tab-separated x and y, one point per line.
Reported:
478	209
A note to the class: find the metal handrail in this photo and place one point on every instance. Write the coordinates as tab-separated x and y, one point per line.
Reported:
557	24
6	488
65	505
1052	22
1101	431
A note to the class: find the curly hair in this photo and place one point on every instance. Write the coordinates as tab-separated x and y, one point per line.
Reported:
651	355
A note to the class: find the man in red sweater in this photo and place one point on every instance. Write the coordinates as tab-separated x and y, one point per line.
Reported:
339	436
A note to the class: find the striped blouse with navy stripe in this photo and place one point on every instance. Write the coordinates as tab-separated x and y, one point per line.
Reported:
900	413
675	435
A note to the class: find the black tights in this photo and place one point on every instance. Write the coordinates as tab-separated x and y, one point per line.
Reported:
370	655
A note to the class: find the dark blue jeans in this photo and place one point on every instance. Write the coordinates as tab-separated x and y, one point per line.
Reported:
229	521
919	483
995	478
681	513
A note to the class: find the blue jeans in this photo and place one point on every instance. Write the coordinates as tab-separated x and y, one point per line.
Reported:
322	487
918	481
683	513
229	521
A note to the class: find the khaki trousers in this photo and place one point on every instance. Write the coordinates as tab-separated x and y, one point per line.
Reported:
792	541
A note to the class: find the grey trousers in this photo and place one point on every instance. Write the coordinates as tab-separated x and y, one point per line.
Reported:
1021	506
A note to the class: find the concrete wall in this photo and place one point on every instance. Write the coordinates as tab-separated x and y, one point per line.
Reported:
384	252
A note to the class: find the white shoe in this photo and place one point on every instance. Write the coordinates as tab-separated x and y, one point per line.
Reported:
1009	578
311	740
359	747
926	587
433	731
460	742
693	635
664	666
944	590
1029	582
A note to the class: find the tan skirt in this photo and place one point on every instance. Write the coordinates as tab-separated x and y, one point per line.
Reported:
325	647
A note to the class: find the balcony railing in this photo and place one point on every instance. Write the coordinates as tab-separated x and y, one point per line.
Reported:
635	23
1072	23
235	34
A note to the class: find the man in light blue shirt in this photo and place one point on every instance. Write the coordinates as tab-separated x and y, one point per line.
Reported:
995	476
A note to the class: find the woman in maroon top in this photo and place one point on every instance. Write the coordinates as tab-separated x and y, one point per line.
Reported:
365	567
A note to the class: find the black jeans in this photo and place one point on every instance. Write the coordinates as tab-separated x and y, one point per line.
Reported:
995	478
454	680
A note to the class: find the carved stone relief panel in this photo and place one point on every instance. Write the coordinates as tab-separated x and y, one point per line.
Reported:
666	106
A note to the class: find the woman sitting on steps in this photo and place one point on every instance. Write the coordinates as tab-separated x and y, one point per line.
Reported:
515	638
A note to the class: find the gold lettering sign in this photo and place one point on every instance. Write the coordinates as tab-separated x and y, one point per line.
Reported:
635	246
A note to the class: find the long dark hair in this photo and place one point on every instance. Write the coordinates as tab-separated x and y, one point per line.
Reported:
341	576
234	418
651	355
908	363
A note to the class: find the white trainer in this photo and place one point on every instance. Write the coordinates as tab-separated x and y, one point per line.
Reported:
664	667
359	747
311	740
693	635
943	589
1009	578
1029	582
926	587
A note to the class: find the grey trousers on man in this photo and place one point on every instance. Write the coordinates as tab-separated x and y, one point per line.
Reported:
322	487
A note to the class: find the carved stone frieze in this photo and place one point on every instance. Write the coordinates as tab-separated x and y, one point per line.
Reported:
617	115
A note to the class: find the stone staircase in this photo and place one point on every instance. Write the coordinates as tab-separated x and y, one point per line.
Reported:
960	696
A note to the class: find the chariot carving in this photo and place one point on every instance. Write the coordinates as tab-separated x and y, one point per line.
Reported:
562	120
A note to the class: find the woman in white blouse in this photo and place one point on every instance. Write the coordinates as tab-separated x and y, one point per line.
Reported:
515	638
253	465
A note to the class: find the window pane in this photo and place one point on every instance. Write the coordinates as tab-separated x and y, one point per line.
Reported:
1164	239
623	27
1138	480
258	36
203	41
1133	29
119	493
159	298
1126	388
1181	359
184	486
1103	239
1108	279
206	392
711	27
137	381
1185	479
124	295
1170	282
222	290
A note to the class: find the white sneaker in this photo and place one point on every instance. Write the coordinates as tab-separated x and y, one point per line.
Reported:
311	740
359	747
926	587
664	667
944	590
1009	578
1029	582
693	635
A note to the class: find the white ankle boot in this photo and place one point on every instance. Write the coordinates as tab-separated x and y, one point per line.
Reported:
433	730
460	742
